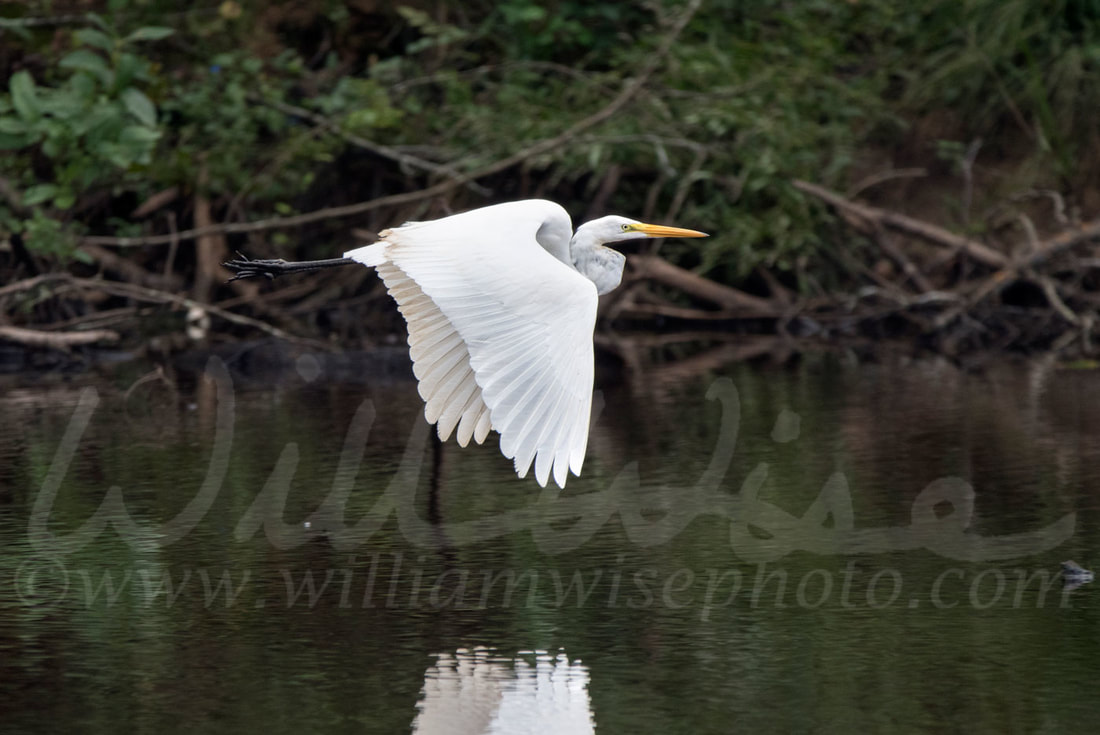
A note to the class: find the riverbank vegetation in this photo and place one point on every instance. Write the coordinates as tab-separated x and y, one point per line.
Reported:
868	168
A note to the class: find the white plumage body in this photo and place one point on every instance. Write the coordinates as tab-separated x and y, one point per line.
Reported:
500	304
500	331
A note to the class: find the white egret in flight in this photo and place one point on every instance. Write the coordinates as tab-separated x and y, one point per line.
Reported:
500	304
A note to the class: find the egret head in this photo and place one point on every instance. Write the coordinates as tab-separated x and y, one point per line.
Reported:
604	266
614	228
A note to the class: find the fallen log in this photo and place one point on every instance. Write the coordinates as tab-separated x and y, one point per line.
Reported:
657	269
926	231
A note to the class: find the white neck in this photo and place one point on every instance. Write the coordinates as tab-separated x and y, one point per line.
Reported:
601	265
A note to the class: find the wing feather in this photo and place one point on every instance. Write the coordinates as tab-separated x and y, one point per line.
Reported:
448	392
484	426
438	364
500	332
457	403
468	422
554	435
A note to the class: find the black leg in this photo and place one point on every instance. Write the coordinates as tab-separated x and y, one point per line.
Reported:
243	267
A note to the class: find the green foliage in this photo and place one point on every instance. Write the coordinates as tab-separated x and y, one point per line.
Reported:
1035	66
749	98
254	105
756	94
94	128
232	133
110	116
566	31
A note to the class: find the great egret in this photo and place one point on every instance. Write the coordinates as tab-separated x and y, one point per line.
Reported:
500	304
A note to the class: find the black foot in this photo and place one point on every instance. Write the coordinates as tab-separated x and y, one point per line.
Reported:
243	267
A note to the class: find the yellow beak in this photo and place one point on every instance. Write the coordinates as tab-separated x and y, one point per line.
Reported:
663	231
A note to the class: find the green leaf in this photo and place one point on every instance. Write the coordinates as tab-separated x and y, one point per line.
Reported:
92	37
23	96
38	194
137	134
83	87
12	126
51	147
140	106
64	199
135	144
66	103
129	67
149	33
118	155
88	61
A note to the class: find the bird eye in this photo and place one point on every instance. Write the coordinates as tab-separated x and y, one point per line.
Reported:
626	228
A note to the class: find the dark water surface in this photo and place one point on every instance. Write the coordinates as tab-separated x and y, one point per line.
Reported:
822	545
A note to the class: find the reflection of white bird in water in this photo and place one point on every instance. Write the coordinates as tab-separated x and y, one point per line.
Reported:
501	304
481	691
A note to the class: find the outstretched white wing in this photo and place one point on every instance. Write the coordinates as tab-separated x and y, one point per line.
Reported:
500	333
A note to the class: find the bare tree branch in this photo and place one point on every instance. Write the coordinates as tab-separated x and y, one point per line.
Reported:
143	293
378	149
56	340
